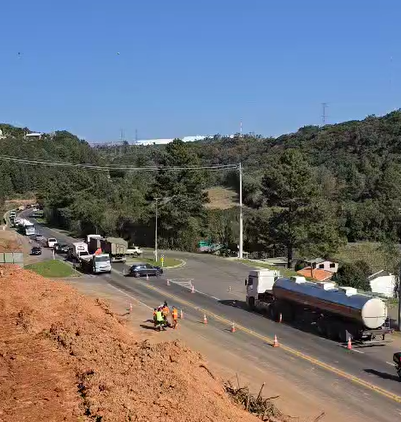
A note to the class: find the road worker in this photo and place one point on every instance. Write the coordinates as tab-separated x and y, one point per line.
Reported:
174	314
160	321
166	312
154	317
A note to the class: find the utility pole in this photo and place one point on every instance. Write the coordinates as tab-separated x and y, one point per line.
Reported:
241	217
324	115
136	135
399	301
156	252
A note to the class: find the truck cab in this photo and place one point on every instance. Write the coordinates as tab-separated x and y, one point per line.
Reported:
259	287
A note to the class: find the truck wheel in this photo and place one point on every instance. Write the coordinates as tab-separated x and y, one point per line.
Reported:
251	303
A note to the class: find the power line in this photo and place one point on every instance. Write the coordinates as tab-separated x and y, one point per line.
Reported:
110	168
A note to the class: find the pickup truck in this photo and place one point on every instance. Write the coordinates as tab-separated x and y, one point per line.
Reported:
134	251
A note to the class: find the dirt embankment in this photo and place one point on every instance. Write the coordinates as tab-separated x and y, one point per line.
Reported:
66	357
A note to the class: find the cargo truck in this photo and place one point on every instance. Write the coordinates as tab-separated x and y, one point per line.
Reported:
116	247
95	264
339	313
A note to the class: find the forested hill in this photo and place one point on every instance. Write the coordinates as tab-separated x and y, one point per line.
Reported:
310	190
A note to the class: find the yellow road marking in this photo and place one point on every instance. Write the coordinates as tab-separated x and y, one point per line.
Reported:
288	349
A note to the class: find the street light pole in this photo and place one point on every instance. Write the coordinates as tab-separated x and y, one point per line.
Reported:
241	217
156	199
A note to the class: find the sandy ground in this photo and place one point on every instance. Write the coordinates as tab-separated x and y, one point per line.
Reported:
294	400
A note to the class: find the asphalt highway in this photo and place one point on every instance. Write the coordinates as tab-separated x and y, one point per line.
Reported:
365	374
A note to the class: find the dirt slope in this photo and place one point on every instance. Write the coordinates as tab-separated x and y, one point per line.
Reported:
65	357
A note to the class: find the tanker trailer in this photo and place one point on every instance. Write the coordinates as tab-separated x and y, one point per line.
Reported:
337	312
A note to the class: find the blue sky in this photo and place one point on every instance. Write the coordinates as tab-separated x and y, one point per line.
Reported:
182	67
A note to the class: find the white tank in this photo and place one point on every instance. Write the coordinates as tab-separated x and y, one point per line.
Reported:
368	311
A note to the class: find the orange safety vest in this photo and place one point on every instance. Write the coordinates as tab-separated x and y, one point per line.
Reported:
166	311
175	314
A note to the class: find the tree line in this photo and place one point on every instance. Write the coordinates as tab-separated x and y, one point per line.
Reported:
309	191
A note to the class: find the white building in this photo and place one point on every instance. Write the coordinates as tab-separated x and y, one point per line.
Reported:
33	135
165	141
383	283
322	264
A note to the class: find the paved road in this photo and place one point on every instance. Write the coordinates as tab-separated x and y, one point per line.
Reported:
369	367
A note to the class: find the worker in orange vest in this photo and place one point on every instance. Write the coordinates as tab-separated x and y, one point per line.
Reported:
166	312
154	317
174	315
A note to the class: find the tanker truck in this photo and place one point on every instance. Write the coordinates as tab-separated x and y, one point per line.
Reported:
338	313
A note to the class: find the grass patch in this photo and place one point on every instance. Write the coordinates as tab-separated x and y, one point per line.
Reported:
284	271
366	251
53	269
221	198
168	262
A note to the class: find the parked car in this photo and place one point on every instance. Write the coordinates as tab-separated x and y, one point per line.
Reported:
51	242
36	250
61	248
142	270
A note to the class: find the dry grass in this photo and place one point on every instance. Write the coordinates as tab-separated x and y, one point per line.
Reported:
221	198
366	251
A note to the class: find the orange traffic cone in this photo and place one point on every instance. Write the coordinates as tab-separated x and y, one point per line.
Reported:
233	328
192	288
349	344
205	319
280	318
181	314
130	308
276	343
168	282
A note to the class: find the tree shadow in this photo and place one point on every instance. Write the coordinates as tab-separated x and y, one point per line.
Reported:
383	375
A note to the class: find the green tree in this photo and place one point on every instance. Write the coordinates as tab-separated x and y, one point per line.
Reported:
181	197
354	275
298	220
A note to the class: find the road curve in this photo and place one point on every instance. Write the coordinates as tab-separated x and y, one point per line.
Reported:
364	372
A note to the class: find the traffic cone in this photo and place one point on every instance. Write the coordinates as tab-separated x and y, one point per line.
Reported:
192	288
168	282
280	318
349	344
130	307
233	328
181	314
205	319
276	343
147	277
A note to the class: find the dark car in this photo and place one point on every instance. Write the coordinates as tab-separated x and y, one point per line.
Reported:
143	270
61	248
36	250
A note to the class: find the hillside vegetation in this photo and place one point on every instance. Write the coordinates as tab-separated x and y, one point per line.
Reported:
309	191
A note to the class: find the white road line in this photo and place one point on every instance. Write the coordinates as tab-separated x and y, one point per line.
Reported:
132	297
390	363
357	351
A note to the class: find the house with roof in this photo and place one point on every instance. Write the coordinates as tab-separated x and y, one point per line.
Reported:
383	283
321	264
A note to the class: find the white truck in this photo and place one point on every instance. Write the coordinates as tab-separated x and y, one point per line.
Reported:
95	264
29	229
336	312
79	249
93	236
